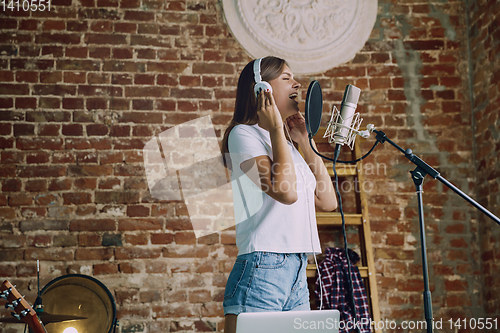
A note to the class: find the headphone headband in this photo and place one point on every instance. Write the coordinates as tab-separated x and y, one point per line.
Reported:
256	70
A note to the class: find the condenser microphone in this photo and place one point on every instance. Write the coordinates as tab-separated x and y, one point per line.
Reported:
344	124
347	111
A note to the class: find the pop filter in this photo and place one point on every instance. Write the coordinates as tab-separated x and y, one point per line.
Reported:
313	108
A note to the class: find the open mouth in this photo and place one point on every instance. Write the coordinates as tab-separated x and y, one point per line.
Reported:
293	96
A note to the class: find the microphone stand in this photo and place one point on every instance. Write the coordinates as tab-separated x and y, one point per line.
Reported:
418	175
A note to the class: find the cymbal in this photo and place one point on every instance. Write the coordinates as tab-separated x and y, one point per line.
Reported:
45	317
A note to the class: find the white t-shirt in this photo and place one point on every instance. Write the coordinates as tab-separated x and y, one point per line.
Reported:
262	223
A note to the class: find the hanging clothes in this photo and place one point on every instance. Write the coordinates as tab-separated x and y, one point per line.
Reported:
334	277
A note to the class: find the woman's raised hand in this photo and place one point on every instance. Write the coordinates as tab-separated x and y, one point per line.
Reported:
268	113
297	126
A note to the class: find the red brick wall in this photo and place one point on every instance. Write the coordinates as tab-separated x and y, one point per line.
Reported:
84	87
485	37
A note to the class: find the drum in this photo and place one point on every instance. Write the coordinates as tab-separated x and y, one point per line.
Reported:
79	295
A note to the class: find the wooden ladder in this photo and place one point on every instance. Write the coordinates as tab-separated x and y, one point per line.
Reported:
360	220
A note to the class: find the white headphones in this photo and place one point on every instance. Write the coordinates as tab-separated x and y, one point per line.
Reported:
259	84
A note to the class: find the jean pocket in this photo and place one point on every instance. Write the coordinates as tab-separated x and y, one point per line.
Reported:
234	278
271	260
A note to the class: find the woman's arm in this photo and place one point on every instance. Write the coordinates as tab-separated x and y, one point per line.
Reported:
325	197
277	176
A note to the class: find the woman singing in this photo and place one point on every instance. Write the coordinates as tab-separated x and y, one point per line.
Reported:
276	194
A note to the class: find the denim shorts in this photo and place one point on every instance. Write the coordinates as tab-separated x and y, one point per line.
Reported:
266	281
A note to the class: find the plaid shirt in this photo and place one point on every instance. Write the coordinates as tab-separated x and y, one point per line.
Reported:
334	274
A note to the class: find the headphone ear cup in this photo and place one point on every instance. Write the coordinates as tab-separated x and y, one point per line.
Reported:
261	86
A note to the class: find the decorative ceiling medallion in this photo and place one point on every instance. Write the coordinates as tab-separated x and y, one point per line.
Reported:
312	35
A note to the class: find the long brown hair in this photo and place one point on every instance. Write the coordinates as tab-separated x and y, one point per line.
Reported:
245	108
